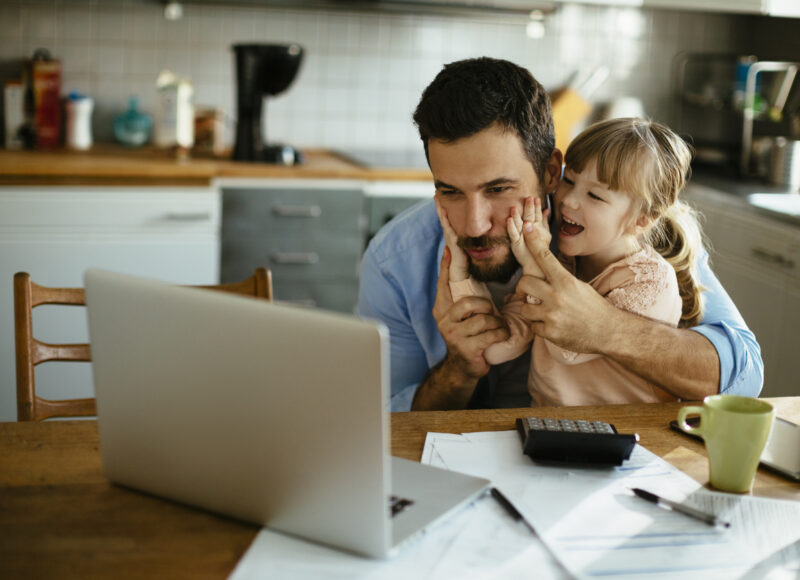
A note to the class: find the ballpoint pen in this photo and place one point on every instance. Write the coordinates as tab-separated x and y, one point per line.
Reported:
512	511
710	519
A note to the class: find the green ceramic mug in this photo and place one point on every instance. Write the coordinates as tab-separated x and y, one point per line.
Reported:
735	430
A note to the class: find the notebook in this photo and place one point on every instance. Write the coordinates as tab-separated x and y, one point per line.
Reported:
268	413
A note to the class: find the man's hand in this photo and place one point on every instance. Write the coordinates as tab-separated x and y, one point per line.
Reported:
575	317
458	270
467	327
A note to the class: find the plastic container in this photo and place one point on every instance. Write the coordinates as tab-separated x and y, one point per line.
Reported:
174	111
79	121
132	128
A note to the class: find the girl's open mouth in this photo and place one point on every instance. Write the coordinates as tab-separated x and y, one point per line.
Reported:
569	227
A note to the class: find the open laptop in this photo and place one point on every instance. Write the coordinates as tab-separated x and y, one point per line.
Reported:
272	414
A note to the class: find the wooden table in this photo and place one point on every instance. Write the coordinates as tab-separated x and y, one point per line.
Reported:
60	517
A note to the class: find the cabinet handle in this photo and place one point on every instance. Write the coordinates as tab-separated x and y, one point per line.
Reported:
772	257
303	211
200	216
294	257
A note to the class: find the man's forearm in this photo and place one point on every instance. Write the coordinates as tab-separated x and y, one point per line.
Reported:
680	361
445	388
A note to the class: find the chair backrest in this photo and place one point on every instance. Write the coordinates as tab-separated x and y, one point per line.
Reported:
31	352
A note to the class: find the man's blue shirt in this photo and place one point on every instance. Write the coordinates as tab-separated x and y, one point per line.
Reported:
399	273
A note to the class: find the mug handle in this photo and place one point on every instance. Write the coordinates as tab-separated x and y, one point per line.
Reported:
683	412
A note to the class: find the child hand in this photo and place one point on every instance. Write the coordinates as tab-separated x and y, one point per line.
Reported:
541	225
532	216
458	258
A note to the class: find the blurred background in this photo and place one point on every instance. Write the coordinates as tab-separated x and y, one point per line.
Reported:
366	63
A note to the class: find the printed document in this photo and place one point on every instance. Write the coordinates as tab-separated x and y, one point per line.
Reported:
593	523
586	517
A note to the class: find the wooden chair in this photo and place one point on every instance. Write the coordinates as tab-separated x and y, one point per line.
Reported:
31	352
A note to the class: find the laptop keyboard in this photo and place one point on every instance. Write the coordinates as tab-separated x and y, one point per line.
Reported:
398	504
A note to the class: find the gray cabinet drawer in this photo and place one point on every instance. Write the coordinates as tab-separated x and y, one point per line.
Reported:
287	260
292	211
310	238
338	296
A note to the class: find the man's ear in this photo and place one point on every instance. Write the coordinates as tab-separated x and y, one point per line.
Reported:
552	172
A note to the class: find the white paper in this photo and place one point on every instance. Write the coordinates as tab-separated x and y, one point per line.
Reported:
474	544
587	517
595	525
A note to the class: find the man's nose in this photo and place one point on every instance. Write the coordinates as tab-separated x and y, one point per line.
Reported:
478	218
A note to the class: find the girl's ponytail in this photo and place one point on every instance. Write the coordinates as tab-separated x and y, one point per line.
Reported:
677	237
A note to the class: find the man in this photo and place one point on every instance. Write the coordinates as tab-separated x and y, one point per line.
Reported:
487	129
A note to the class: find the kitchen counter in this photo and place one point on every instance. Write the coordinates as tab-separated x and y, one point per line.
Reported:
114	165
723	186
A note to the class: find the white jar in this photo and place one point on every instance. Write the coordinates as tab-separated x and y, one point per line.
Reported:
79	122
174	112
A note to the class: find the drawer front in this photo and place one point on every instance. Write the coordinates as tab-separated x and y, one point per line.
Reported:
293	259
768	248
337	296
98	208
292	211
307	239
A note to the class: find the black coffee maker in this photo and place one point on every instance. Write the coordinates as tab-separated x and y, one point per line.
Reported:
262	69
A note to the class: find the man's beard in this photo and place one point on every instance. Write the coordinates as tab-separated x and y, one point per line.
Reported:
501	272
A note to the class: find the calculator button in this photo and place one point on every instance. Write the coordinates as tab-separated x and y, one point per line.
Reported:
535	423
552	424
601	427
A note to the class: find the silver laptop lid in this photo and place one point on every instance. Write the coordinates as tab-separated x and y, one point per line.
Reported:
267	413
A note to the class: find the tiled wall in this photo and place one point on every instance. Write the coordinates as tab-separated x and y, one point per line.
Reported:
364	71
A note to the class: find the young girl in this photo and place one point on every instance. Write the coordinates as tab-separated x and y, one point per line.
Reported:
621	228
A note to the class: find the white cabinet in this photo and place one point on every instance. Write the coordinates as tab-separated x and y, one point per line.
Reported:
55	233
757	259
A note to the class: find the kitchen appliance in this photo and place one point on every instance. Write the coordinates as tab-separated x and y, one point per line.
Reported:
262	69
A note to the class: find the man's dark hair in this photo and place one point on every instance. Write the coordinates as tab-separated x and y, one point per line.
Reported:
468	96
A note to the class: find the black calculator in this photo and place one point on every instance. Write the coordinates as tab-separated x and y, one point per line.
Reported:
568	441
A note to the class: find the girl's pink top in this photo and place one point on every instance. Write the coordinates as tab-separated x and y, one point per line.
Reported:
643	283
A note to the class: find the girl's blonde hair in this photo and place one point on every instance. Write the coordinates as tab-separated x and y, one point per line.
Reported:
648	160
